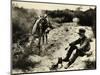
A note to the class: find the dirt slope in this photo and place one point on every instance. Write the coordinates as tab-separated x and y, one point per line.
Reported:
59	38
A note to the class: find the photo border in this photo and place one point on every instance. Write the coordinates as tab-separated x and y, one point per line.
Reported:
50	3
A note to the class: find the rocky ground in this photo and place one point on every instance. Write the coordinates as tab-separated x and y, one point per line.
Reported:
58	40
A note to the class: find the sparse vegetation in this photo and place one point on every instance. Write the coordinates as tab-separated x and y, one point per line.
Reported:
22	22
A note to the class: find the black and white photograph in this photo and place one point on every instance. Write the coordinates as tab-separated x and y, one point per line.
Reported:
52	37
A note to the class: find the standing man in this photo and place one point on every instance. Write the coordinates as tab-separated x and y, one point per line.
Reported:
46	27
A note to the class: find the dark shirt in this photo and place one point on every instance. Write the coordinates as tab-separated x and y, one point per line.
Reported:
84	43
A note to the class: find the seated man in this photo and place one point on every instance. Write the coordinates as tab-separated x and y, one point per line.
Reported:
84	47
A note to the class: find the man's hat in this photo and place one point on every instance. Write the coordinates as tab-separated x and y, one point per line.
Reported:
81	31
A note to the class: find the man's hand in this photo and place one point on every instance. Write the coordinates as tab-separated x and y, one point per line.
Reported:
70	44
47	30
66	48
88	53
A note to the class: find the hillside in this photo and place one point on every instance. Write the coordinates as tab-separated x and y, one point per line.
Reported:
58	40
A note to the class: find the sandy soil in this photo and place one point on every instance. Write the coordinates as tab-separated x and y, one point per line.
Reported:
58	40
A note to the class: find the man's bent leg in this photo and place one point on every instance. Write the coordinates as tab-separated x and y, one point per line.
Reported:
69	53
72	60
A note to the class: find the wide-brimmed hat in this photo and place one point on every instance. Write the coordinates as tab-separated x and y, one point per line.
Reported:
81	31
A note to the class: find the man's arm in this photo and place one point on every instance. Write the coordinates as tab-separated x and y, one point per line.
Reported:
83	45
75	42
